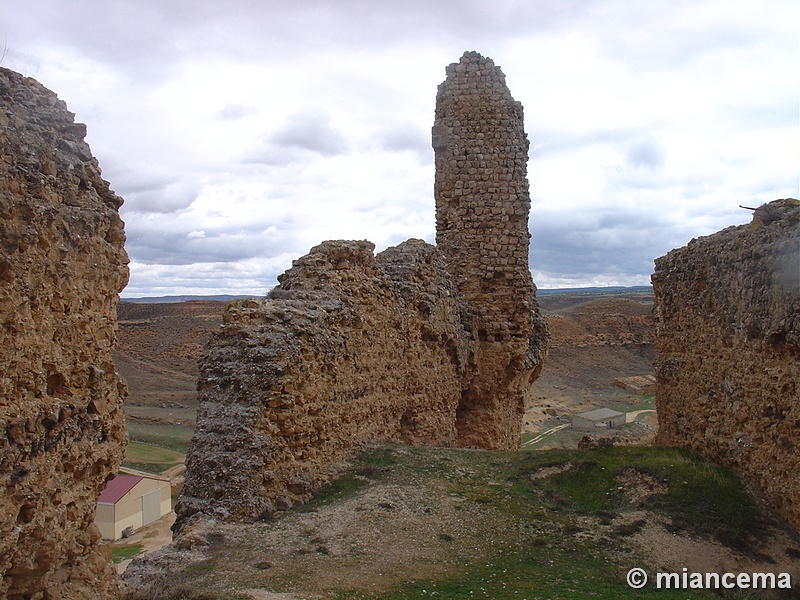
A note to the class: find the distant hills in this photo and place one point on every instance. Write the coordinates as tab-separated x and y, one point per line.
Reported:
175	299
619	289
588	291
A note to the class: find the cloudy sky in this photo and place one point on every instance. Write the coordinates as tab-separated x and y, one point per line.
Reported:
242	133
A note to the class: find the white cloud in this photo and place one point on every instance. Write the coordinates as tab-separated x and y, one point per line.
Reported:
243	133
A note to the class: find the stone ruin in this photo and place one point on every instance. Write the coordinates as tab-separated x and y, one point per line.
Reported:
727	317
482	207
62	266
420	344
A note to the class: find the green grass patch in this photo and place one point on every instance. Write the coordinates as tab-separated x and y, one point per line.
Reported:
701	499
335	490
375	462
369	466
171	437
149	458
541	573
550	562
120	553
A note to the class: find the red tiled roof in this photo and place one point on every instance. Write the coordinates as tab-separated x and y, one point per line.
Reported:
118	487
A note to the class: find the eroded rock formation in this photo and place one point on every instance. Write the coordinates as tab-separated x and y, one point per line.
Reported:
419	344
62	266
727	317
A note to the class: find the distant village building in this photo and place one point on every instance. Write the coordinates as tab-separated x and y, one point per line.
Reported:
601	418
132	501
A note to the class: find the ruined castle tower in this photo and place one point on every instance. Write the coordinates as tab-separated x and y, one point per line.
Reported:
482	206
418	345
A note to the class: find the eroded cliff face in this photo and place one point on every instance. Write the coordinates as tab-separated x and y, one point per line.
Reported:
727	317
419	344
62	266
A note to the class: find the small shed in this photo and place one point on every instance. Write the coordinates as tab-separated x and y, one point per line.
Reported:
132	501
601	418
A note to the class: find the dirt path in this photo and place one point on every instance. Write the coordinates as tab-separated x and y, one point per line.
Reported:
541	436
631	416
151	537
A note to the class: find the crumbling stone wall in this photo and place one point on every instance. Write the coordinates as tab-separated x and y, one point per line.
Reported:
349	348
419	344
62	266
482	206
727	318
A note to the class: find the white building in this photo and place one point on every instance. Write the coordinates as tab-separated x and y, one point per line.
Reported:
598	420
132	501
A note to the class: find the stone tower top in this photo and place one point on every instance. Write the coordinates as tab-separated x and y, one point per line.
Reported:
481	190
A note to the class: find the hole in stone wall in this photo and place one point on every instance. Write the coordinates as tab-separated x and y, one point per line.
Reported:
26	513
6	272
408	421
56	384
464	413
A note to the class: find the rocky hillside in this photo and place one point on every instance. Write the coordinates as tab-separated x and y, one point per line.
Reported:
159	351
608	321
596	338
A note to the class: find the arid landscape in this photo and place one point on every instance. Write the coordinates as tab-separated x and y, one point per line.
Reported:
410	423
414	522
597	337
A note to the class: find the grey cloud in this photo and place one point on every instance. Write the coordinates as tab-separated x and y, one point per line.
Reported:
158	196
545	141
616	244
407	138
271	155
645	153
647	43
138	38
148	40
252	278
587	246
311	131
168	242
234	112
